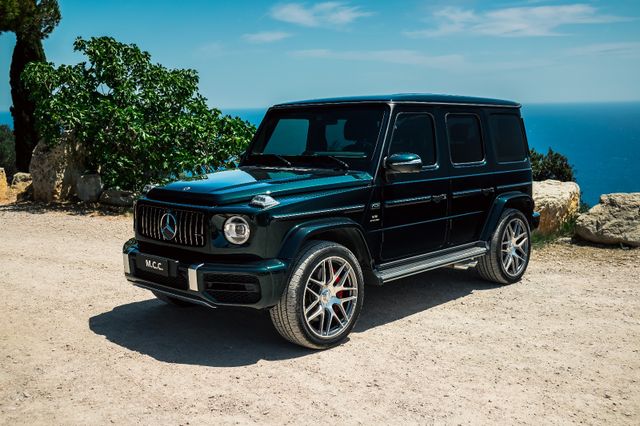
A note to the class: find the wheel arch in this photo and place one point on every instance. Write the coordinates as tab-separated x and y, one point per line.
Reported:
515	200
339	230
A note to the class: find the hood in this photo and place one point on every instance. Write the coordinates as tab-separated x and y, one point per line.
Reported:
239	185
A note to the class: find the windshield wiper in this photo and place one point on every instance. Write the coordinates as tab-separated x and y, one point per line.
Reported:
276	156
342	165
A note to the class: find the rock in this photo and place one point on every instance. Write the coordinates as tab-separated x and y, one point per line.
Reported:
113	197
615	220
55	170
20	177
557	203
4	188
89	187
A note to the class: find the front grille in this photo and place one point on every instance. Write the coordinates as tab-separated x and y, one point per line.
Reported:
232	288
190	226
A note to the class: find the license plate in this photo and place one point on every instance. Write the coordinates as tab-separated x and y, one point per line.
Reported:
153	264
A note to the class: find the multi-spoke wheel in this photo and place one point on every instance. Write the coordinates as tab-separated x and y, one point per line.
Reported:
323	299
509	249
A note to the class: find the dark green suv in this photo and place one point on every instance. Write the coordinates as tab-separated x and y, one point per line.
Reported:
334	194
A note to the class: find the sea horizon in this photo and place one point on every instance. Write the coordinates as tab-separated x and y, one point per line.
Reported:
600	139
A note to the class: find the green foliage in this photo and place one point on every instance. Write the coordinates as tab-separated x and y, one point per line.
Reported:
552	165
7	151
140	122
29	18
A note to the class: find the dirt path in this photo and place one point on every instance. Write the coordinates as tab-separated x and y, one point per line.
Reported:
79	345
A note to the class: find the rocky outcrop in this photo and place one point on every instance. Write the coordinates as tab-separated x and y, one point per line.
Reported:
89	187
20	177
615	220
557	203
55	170
4	187
113	197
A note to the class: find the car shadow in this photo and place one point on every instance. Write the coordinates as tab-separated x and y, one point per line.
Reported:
236	337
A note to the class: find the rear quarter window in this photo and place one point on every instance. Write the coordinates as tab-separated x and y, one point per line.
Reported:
507	135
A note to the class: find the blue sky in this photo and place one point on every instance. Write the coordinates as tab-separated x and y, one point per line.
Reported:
256	53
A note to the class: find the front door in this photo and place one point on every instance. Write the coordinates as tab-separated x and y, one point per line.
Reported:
415	204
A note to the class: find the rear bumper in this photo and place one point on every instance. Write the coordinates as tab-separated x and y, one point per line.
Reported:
256	285
535	220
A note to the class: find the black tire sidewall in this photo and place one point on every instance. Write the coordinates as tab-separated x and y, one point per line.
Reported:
323	252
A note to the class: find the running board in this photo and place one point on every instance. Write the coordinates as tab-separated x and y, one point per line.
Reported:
405	270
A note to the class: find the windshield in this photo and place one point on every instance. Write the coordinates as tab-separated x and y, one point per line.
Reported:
332	136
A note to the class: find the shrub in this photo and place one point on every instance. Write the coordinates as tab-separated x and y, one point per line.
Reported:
551	165
139	121
7	151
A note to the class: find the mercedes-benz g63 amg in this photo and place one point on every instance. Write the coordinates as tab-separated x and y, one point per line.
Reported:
334	194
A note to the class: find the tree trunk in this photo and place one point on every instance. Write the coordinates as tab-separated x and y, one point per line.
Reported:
24	126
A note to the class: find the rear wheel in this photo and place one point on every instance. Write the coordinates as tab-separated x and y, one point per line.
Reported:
173	301
509	249
323	298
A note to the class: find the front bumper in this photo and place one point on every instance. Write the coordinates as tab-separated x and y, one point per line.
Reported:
257	284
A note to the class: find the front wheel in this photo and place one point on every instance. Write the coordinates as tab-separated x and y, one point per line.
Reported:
323	298
509	250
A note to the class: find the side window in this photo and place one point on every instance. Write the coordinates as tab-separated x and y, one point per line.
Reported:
414	133
465	138
507	136
289	137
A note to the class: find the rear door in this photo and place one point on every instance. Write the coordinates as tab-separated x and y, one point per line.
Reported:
472	183
415	204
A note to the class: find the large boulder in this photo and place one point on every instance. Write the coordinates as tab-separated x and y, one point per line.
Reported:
114	197
615	220
557	203
89	187
55	170
4	187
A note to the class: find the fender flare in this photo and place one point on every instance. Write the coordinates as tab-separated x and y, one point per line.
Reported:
522	200
347	229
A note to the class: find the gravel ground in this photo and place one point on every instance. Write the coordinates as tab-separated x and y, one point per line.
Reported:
79	345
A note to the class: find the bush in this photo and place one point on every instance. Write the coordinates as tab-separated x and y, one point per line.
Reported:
7	151
139	122
553	165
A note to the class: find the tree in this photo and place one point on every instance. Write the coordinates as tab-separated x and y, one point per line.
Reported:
551	165
7	150
139	121
31	21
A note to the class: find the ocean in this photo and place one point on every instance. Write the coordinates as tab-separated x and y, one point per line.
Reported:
601	140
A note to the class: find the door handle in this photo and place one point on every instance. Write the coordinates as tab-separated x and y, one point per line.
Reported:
487	191
438	198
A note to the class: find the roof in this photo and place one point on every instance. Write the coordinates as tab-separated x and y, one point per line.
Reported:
410	97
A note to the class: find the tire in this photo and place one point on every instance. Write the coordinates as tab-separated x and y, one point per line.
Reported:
172	301
511	240
323	298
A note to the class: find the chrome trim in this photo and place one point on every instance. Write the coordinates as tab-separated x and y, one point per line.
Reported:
408	201
513	185
126	264
349	209
193	276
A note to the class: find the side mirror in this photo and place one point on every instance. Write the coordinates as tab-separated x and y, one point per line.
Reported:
403	163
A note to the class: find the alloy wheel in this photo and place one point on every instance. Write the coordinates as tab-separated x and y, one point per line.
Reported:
330	297
515	247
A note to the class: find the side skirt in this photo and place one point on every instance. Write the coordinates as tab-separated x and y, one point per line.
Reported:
396	270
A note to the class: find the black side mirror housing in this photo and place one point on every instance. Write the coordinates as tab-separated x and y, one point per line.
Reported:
403	162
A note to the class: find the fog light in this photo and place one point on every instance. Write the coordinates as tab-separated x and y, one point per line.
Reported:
236	230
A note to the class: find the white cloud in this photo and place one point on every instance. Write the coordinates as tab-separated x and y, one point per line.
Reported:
331	13
265	36
599	49
514	21
398	56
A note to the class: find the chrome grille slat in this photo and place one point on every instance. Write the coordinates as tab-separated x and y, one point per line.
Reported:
190	228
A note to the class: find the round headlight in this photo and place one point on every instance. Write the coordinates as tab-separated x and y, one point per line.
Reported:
236	230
